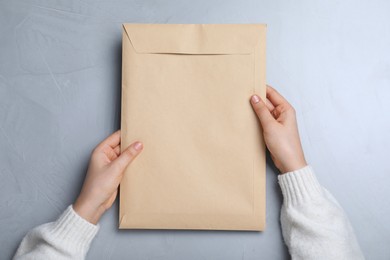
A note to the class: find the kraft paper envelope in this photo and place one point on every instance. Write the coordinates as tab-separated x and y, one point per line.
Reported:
185	95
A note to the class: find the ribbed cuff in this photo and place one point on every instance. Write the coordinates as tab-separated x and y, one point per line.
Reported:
73	230
299	186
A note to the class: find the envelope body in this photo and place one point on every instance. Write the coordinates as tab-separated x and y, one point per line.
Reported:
185	95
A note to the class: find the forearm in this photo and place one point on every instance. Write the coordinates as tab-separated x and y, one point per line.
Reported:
314	225
69	237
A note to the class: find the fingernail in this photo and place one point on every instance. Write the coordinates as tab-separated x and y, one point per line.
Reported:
255	99
138	146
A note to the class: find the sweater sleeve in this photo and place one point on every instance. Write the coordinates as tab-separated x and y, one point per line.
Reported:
69	237
314	225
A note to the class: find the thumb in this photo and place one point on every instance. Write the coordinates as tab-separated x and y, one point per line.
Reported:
127	156
261	110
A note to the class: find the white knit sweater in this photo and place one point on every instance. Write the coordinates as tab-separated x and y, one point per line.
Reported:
314	226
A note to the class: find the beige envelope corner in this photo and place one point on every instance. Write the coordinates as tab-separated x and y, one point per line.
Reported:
185	95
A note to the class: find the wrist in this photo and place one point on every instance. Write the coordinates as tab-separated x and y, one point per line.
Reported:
88	211
293	165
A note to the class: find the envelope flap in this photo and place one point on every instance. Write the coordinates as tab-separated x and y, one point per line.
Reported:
194	38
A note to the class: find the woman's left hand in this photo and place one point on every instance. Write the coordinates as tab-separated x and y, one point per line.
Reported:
104	174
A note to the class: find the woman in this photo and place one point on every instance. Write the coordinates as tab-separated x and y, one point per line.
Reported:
314	225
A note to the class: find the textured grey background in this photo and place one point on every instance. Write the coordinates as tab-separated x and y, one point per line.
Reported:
60	65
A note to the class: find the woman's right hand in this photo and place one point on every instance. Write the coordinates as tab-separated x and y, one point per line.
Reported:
280	130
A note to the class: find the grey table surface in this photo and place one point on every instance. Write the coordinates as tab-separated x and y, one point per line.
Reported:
60	73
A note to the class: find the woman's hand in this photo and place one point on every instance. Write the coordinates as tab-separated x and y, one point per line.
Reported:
277	118
104	174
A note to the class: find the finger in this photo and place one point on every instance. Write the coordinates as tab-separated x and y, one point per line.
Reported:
112	141
269	105
117	150
111	154
284	113
261	110
127	156
275	98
